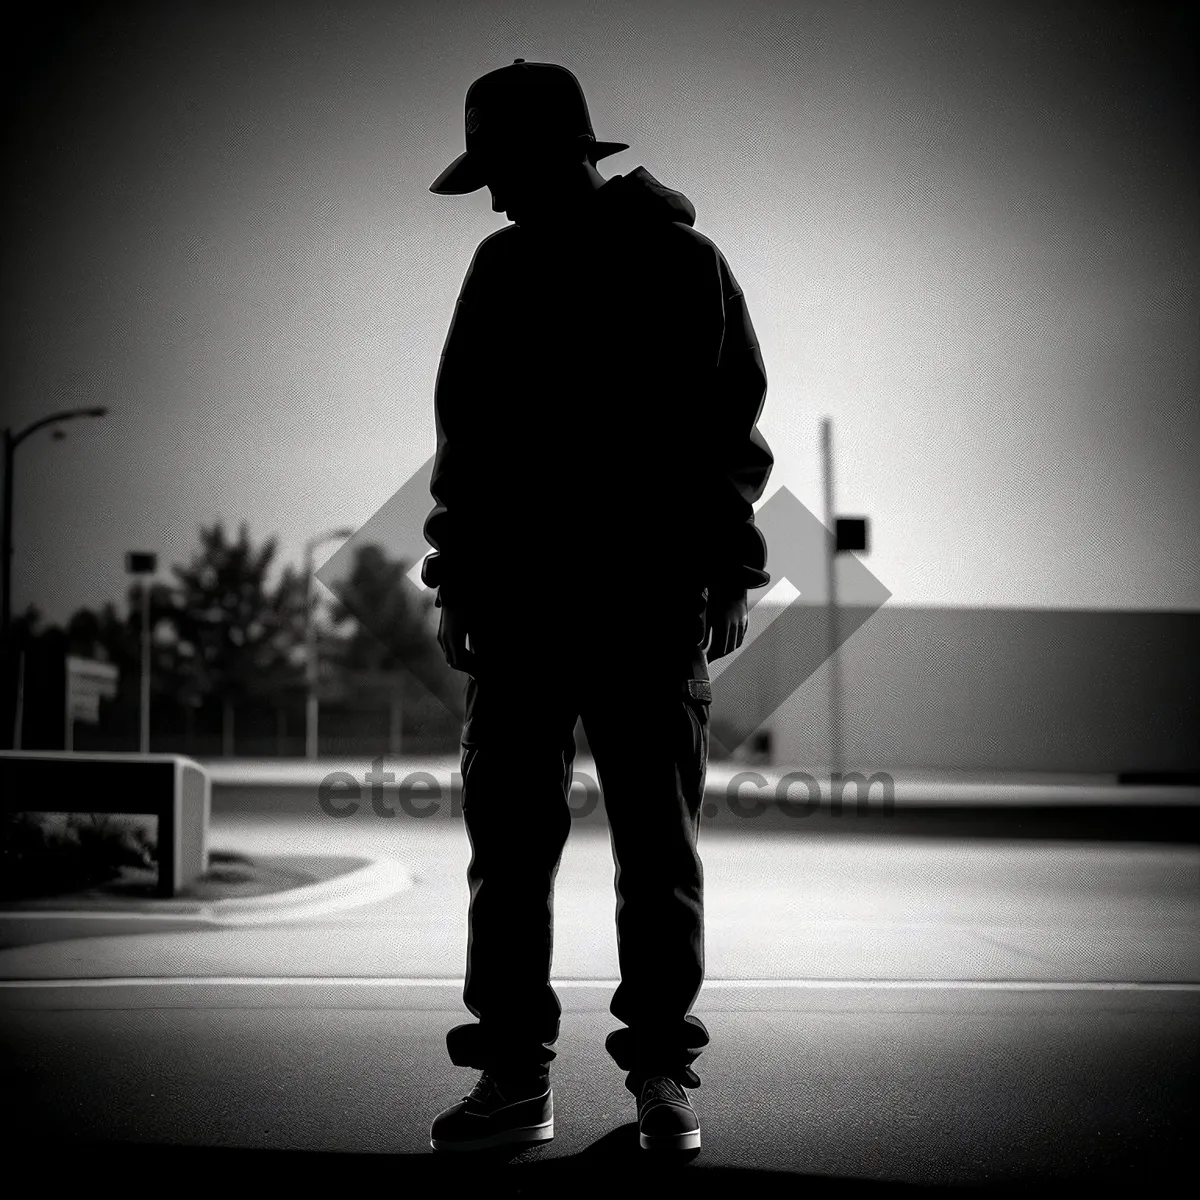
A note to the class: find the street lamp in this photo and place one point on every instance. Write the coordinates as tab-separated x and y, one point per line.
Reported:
145	564
11	442
310	643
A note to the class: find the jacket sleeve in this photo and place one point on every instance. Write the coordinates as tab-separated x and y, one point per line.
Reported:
740	459
448	527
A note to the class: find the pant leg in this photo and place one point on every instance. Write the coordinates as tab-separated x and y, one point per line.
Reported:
518	749
650	739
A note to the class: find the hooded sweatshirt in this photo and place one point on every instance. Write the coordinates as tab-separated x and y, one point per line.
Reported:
596	406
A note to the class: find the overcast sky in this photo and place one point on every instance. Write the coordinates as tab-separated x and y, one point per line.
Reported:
966	231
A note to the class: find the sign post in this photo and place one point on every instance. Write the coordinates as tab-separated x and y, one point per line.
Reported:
849	534
19	718
835	689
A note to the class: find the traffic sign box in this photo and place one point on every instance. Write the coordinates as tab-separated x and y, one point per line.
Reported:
851	534
138	563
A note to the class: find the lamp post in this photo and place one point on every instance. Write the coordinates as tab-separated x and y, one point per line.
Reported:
11	442
144	564
310	640
835	698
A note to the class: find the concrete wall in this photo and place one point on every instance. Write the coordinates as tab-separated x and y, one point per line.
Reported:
984	689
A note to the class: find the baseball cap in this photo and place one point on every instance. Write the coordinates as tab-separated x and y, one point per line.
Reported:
522	105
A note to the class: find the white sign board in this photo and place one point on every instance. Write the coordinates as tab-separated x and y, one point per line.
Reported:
88	680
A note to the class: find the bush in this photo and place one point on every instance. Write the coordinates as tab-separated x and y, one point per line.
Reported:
40	857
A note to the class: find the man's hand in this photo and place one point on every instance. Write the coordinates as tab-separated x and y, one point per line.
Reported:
452	637
724	624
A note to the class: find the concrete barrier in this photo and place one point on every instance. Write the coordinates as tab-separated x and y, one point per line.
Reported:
172	788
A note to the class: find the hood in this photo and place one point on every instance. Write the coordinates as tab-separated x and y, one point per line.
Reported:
624	200
639	196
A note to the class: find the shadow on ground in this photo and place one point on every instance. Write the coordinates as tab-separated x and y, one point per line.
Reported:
609	1166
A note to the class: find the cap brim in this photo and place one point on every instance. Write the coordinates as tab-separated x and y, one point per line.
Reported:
604	149
465	173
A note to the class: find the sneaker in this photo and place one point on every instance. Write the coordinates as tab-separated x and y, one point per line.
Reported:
666	1119
496	1113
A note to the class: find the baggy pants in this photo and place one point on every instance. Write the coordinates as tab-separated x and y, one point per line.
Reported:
644	710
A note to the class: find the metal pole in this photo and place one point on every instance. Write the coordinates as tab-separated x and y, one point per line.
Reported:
69	734
310	659
11	442
396	725
146	666
7	549
19	719
831	606
310	637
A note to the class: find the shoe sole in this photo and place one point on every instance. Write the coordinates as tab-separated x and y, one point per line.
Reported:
526	1135
673	1141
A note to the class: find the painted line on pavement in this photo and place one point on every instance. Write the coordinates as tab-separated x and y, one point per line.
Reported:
1014	985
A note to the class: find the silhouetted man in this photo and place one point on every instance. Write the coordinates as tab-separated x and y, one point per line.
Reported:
597	464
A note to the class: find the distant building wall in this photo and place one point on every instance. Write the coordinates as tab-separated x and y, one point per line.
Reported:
1007	689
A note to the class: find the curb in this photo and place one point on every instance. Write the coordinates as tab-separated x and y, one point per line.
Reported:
376	880
911	790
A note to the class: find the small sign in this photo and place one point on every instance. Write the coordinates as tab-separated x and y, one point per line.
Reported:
139	563
851	534
85	708
88	682
102	677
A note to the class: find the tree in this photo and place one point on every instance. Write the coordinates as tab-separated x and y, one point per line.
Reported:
390	615
118	640
17	656
392	636
107	636
236	636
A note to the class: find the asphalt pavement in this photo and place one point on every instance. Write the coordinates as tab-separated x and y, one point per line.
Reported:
887	1008
780	906
822	1087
